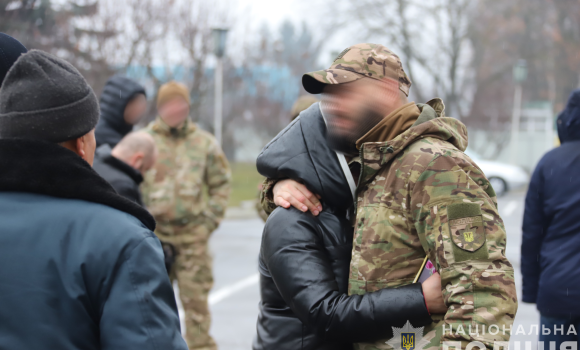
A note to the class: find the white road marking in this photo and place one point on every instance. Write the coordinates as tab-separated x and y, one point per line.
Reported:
179	307
215	297
227	291
510	208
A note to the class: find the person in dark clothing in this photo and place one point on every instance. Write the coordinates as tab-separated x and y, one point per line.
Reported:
10	50
80	266
123	103
304	259
123	166
550	253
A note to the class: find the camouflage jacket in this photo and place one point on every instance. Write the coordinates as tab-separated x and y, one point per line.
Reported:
189	160
420	194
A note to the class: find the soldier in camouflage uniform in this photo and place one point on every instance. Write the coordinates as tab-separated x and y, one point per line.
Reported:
189	160
418	194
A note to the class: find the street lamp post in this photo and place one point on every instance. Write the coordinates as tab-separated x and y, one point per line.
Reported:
219	47
520	74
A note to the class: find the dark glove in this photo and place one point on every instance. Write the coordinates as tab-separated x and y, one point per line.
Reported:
170	254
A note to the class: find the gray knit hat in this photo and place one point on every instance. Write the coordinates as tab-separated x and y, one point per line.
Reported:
46	98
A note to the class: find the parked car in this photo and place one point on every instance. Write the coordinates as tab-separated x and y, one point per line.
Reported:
503	177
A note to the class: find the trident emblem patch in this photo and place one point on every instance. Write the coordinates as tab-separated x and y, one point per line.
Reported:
468	236
408	341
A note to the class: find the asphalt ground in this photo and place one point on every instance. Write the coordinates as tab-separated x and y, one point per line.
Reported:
235	296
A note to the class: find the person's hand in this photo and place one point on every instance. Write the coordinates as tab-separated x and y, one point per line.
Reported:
288	193
433	295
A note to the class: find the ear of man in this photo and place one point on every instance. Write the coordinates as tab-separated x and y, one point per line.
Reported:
136	149
80	146
403	99
392	97
136	160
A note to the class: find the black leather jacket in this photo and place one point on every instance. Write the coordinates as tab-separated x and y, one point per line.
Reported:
304	260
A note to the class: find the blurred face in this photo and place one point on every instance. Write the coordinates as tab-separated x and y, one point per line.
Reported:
353	109
174	112
135	109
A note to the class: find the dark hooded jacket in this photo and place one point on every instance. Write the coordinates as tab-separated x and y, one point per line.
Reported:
80	267
551	229
304	260
118	92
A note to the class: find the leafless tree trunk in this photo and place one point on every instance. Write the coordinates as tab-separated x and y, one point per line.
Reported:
431	38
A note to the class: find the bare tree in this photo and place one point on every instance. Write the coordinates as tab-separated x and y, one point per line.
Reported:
123	36
193	27
41	24
543	32
432	40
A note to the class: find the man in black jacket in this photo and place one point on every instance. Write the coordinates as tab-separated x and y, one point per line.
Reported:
80	267
123	166
123	103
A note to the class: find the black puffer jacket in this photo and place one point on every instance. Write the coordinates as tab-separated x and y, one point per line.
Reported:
118	92
304	260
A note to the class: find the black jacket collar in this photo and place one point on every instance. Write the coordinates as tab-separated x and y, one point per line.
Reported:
49	169
104	154
300	152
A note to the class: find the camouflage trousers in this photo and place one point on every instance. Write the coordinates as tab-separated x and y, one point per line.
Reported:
193	272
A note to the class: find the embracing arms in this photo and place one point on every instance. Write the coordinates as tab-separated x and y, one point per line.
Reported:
300	266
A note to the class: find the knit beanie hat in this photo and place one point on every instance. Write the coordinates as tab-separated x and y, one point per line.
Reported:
46	98
170	90
10	50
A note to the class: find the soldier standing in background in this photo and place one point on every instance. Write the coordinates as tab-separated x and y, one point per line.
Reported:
189	159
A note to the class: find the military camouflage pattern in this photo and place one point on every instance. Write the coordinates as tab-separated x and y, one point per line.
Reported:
467	233
266	200
406	189
189	161
193	272
261	212
359	61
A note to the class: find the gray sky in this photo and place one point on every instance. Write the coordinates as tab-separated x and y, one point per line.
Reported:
271	11
274	12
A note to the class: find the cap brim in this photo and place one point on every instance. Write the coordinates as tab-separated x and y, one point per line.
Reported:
314	82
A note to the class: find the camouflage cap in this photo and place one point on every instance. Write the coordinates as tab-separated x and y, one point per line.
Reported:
356	62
